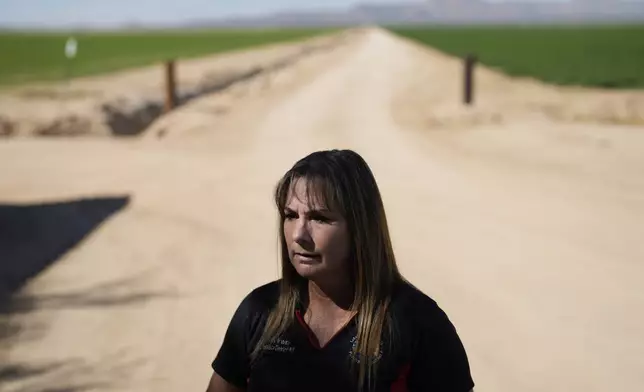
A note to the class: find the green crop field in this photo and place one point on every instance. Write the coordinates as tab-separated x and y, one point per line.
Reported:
28	57
601	56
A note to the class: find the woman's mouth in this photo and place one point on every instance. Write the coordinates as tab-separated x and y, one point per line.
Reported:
307	257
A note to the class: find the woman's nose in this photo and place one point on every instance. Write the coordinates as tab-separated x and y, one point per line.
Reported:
301	232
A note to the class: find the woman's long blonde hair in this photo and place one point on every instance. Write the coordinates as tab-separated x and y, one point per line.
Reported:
343	182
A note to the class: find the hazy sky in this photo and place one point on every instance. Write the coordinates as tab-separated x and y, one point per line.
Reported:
46	13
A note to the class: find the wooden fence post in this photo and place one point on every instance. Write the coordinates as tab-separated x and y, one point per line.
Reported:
470	62
170	85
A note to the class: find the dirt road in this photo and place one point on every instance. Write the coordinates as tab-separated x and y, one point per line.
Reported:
526	229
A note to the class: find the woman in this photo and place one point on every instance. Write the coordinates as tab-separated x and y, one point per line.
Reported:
341	318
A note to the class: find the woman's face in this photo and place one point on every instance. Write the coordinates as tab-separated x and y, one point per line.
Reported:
317	239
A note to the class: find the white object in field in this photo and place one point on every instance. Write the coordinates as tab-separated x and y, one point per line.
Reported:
71	48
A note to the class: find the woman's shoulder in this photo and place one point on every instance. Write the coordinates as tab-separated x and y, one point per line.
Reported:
262	298
255	306
430	341
406	295
412	306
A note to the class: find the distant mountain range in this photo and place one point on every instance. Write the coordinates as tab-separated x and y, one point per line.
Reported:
448	12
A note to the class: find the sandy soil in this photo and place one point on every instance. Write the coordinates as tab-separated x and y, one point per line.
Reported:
526	226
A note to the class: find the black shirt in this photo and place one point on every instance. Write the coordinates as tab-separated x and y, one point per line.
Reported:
424	354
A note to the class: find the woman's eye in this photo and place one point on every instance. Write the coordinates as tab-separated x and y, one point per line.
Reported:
289	216
320	218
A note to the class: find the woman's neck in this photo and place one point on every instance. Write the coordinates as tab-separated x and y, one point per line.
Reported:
336	294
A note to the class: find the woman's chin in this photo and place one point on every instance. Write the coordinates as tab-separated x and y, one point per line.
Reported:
308	270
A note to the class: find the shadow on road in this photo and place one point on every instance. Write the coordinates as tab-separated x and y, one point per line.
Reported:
71	375
14	312
119	293
28	375
33	237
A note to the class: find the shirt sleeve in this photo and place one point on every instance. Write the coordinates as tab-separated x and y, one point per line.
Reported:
440	363
232	362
